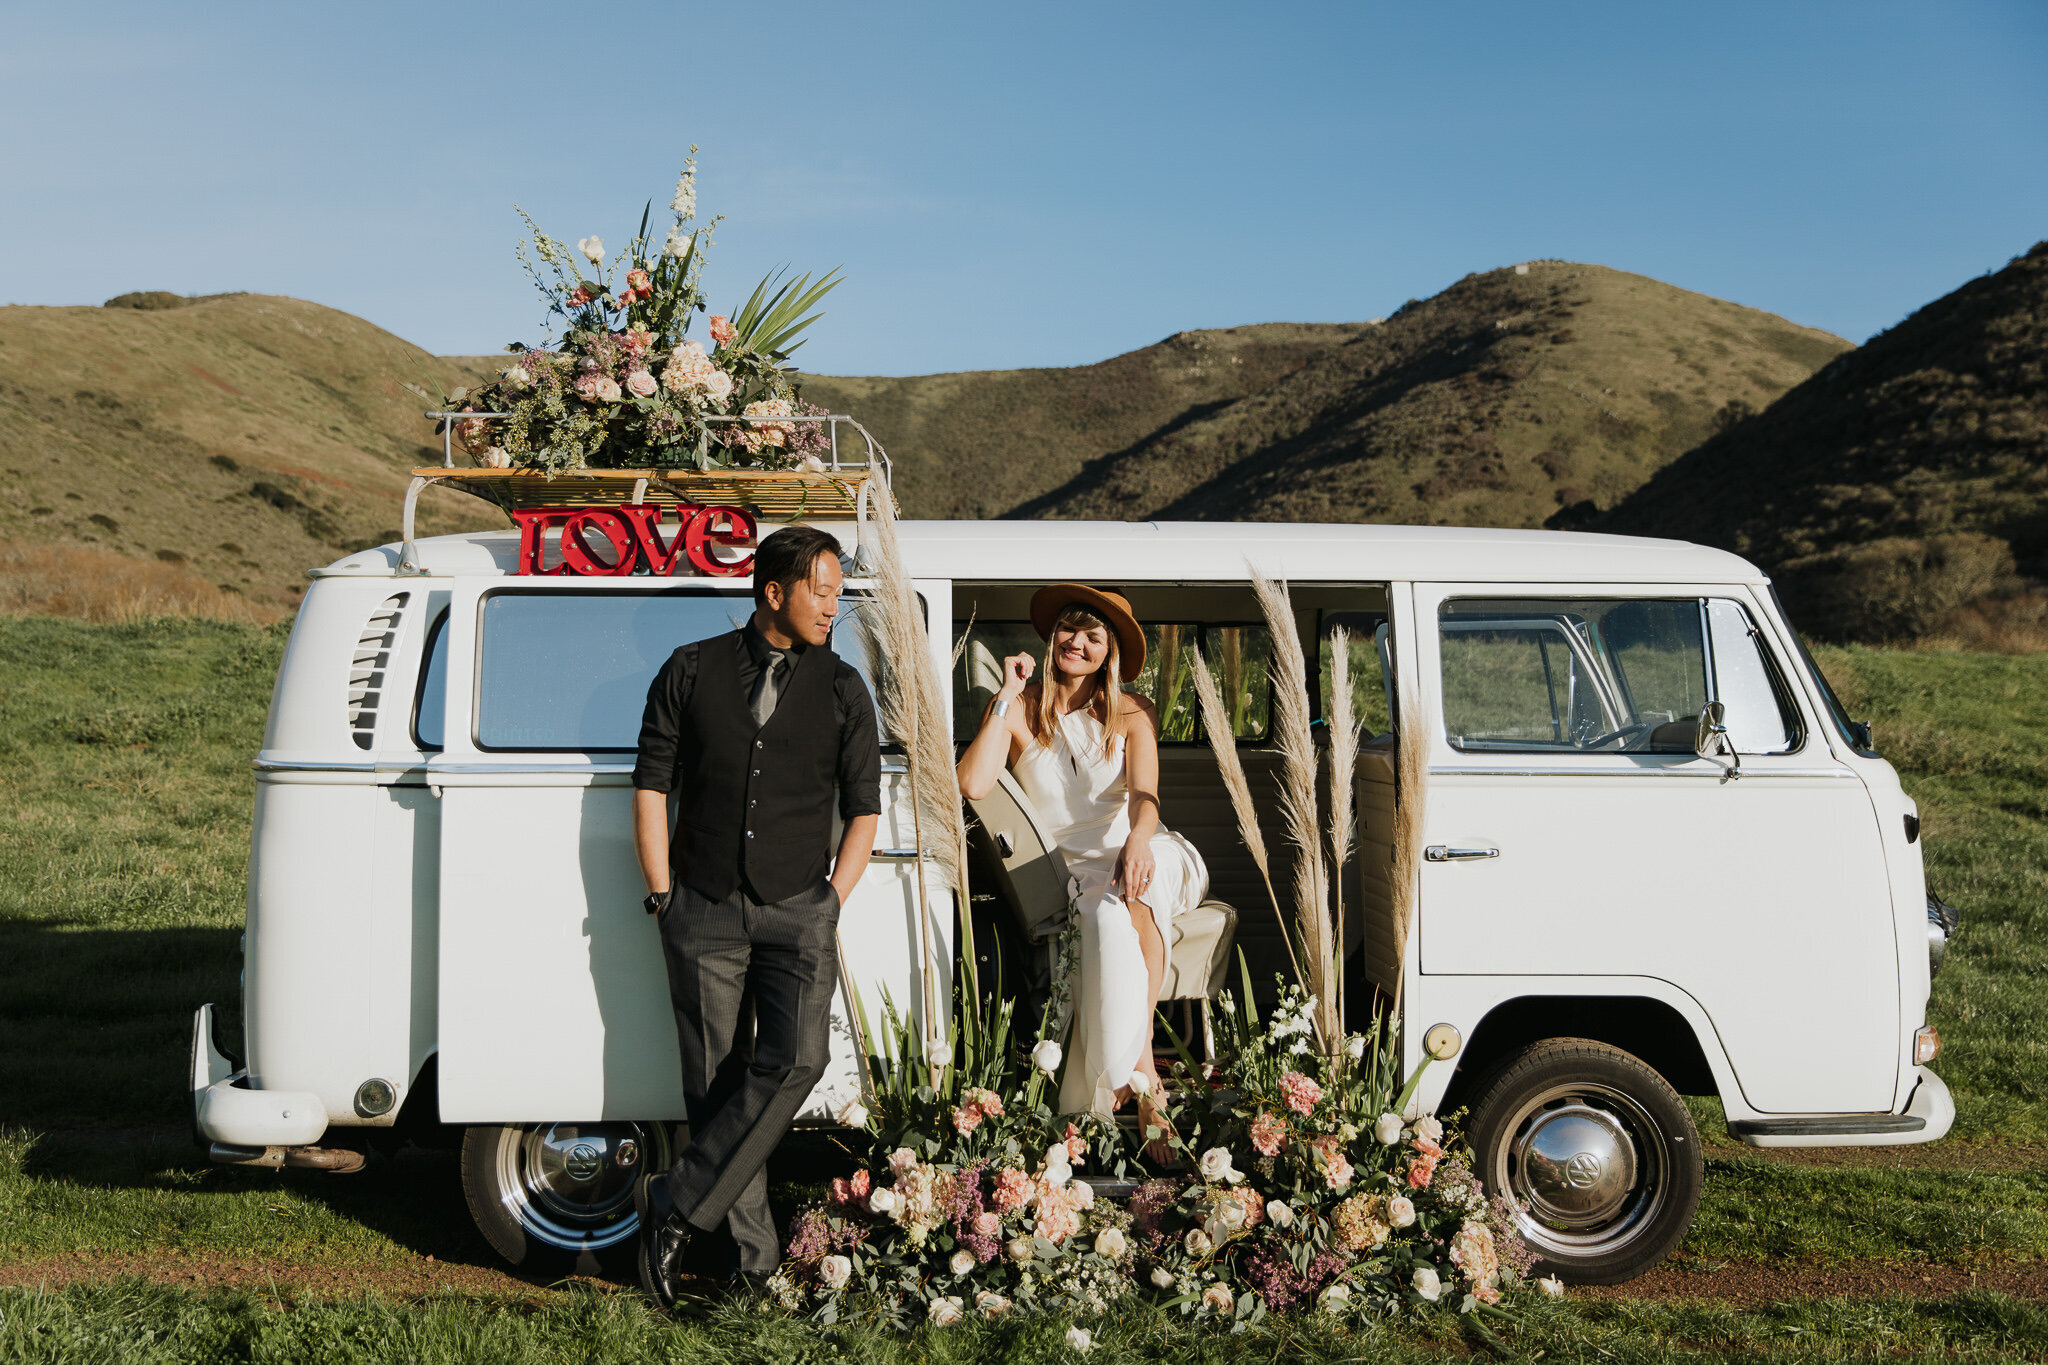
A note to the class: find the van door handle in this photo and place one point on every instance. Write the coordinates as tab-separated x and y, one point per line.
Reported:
1444	853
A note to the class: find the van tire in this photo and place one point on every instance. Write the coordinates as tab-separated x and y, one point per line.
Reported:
1600	1148
539	1228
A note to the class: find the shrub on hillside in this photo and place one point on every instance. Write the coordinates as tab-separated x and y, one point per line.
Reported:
1895	589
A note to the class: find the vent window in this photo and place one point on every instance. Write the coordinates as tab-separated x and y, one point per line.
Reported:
372	662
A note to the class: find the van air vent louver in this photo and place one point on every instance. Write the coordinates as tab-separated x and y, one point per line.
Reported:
367	670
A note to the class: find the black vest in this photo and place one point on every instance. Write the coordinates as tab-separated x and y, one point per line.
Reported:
756	802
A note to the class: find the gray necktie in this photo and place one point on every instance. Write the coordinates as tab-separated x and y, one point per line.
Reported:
766	688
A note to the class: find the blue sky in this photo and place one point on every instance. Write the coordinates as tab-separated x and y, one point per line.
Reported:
1041	185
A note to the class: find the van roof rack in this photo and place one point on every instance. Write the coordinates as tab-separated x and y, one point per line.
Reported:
843	488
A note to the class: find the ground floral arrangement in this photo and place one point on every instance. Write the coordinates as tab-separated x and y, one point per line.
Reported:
1311	1186
624	386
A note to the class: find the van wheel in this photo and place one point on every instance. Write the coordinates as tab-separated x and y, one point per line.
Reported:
551	1198
1600	1152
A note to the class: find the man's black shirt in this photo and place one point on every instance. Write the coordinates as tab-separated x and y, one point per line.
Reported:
860	758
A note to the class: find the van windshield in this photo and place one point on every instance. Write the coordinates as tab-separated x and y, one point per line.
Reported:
569	671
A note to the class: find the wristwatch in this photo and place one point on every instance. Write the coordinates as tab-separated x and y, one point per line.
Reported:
657	901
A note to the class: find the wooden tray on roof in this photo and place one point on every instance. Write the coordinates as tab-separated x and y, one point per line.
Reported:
777	495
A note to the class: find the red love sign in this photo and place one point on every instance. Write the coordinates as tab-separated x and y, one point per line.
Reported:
609	542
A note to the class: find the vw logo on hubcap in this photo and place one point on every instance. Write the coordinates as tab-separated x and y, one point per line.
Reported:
583	1162
1582	1172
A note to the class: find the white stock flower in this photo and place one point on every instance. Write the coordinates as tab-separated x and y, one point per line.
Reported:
1141	1084
1198	1242
1387	1128
1080	1339
835	1271
592	249
684	205
1427	1284
1215	1167
1162	1278
1279	1214
1430	1128
854	1115
1046	1056
1110	1242
962	1262
945	1312
1401	1211
1552	1286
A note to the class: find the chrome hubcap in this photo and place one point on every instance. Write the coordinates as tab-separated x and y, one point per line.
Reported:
1590	1163
571	1184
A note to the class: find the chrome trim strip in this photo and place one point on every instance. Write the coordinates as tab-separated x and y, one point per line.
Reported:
290	765
487	769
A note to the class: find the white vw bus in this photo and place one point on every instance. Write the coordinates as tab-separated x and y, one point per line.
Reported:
1617	905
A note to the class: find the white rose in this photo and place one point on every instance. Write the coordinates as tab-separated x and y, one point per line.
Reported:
1429	1128
497	458
1162	1278
1018	1249
1552	1286
1080	1339
811	463
1427	1284
1278	1214
962	1262
592	249
945	1312
1081	1194
1354	1046
678	243
835	1271
1141	1084
854	1115
1057	1175
1336	1298
517	376
1216	1168
991	1304
1046	1056
1110	1242
1232	1214
1387	1128
1198	1242
1401	1211
882	1203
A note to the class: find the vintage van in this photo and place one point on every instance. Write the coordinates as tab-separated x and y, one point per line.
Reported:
1618	904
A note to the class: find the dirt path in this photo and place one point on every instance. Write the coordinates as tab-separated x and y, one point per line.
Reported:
1756	1284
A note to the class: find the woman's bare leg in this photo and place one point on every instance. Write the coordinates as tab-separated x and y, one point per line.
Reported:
1152	1108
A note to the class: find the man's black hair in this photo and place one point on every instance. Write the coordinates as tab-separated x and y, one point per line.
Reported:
788	557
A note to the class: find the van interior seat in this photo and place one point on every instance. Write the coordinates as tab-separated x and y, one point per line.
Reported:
1031	877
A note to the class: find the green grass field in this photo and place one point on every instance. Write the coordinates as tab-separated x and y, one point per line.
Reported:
121	884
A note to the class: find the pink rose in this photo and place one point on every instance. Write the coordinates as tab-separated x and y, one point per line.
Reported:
586	385
641	384
987	1225
718	384
1300	1092
1268	1132
721	330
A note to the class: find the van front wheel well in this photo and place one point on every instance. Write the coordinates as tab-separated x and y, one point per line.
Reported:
1648	1029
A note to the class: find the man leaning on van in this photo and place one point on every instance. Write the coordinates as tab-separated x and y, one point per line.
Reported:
752	731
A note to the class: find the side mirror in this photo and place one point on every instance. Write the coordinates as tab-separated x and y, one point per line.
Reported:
1710	739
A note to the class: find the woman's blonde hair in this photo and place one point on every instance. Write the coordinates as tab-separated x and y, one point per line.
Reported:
1107	700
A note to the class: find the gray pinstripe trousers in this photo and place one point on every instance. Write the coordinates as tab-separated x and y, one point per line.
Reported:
744	1079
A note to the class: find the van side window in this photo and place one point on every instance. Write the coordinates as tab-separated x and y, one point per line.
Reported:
1372	682
1609	676
430	705
1237	656
568	671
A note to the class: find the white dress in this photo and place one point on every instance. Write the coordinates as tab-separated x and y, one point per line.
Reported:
1082	798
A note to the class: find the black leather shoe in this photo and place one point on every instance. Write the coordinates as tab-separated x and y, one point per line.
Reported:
664	1234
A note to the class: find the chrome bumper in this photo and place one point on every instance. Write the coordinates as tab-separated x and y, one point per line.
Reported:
1930	1113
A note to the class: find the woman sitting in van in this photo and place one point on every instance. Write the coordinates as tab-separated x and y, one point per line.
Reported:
1086	753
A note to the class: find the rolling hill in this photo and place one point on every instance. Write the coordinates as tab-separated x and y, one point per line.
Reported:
1512	395
1902	485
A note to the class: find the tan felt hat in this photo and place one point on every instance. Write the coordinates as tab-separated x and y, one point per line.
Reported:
1048	602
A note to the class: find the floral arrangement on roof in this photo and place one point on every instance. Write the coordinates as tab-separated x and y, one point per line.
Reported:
625	386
